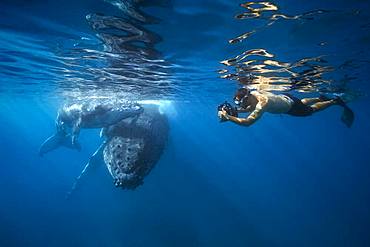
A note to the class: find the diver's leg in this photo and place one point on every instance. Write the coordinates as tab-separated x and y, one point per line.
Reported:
310	101
319	106
347	115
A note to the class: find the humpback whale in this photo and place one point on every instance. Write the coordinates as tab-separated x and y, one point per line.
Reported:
92	114
130	147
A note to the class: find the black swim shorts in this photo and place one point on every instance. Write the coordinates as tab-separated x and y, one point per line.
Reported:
298	108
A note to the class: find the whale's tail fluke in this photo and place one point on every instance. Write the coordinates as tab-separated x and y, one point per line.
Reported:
55	141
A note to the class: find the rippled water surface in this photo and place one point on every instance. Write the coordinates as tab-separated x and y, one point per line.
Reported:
163	48
283	182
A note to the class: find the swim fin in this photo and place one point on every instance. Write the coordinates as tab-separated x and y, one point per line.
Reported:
347	116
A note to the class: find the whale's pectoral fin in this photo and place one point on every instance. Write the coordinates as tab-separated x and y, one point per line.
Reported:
50	144
103	132
57	140
94	160
53	142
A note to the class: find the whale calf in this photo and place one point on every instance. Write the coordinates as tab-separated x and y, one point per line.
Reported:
92	114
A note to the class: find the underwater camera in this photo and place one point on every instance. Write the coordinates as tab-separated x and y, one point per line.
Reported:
231	110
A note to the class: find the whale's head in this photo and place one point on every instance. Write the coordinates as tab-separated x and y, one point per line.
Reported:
67	115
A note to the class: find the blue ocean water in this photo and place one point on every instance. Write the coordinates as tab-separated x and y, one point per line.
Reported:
285	181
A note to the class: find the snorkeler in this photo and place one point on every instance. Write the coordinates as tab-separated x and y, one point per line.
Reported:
257	102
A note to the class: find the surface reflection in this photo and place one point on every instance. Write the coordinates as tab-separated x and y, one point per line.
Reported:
260	69
128	63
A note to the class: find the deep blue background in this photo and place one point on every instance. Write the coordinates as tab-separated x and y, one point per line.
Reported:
282	182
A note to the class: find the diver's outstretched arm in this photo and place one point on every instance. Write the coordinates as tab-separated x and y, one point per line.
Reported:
251	119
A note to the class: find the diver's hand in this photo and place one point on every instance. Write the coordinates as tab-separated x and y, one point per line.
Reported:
223	115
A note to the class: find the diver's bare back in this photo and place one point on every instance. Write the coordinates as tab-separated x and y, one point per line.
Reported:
273	103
